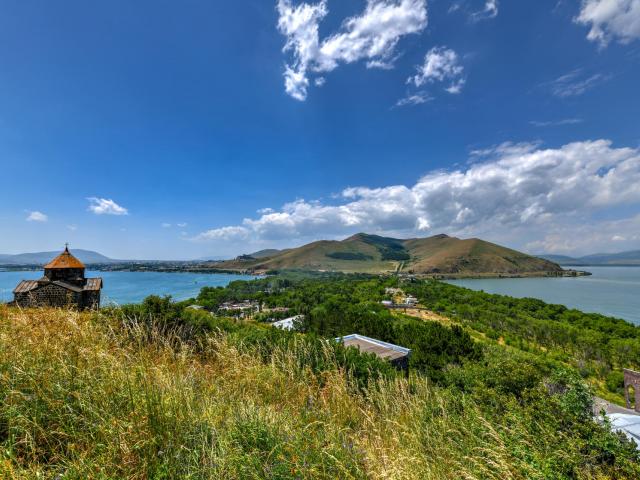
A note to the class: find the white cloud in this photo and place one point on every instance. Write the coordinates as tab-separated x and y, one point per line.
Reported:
517	192
610	19
589	237
103	206
575	83
166	225
36	216
506	149
372	35
556	123
490	10
72	227
224	233
440	64
414	99
182	225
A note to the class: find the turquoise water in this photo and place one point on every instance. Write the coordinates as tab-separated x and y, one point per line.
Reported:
613	291
133	287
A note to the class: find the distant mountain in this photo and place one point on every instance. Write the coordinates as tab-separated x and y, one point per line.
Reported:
559	259
211	258
375	254
42	258
622	258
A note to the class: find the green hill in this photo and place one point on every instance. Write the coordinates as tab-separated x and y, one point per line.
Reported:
269	252
364	253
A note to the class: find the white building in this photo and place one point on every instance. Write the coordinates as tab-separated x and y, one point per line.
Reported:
409	300
288	323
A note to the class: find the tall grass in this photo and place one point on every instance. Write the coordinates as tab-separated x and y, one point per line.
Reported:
88	396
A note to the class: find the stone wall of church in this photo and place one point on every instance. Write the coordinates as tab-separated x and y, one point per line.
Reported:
71	275
49	296
91	300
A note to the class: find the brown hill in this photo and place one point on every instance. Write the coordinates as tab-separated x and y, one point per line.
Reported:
365	253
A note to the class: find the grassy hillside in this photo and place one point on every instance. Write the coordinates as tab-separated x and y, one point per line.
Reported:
442	254
365	253
266	253
86	396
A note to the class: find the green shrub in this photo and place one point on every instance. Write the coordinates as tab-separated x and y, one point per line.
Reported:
615	382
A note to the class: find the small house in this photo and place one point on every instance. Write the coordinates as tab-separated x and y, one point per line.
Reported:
398	356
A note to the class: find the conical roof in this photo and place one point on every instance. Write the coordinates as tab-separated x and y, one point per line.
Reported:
65	260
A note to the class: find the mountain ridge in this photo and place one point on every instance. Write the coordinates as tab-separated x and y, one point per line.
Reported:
41	258
627	258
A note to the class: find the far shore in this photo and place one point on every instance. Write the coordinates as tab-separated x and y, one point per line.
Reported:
173	267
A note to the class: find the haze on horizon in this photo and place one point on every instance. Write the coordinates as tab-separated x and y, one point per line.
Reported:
179	131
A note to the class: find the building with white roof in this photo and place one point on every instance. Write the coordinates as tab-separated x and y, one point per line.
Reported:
288	323
628	424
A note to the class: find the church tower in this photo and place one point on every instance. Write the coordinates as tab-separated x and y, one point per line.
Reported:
65	267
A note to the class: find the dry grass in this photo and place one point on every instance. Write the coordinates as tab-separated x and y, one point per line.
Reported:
82	396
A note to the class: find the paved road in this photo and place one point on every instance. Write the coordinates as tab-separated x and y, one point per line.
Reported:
601	404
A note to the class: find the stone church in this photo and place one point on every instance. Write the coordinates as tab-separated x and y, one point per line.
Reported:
63	285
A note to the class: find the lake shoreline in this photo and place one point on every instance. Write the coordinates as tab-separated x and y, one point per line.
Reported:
133	287
478	276
610	291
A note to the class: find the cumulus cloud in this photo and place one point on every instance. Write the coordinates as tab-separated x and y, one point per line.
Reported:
104	206
516	188
372	36
589	237
440	64
224	233
609	19
36	216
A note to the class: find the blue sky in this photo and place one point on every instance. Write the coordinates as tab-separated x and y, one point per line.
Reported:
198	128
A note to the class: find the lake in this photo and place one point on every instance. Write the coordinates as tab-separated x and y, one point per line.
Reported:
613	291
133	287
